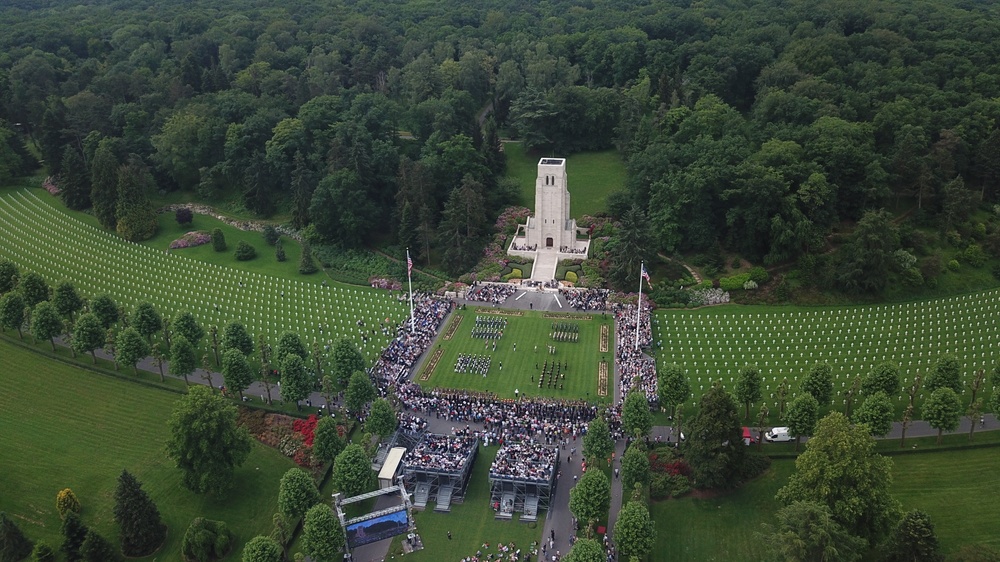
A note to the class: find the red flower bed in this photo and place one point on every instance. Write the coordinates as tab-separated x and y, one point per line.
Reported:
668	465
307	428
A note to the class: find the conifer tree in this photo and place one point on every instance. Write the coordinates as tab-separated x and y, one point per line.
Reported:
134	212
307	264
74	532
13	544
279	251
43	553
74	183
303	186
142	530
104	183
96	548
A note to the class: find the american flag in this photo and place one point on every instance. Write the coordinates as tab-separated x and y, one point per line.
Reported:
645	274
409	263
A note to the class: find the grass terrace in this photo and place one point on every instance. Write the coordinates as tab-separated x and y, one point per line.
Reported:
531	331
39	237
714	342
67	427
592	176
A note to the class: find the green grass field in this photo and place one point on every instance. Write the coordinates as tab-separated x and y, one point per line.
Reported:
471	523
784	342
954	489
592	176
950	486
66	427
719	528
531	333
265	262
38	235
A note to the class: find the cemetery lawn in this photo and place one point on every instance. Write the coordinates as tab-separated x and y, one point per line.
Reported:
63	245
713	343
580	359
592	176
68	427
471	523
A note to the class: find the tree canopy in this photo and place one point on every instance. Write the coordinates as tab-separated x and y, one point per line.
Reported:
841	470
634	531
715	448
637	420
205	442
322	536
814	118
597	442
590	498
352	472
807	531
297	493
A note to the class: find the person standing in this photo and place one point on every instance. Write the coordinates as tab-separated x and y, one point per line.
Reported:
449	535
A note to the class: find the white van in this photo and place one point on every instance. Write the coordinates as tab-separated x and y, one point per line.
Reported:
778	434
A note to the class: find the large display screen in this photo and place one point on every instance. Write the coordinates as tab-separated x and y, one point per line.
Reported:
382	527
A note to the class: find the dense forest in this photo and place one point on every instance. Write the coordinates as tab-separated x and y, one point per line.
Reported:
777	131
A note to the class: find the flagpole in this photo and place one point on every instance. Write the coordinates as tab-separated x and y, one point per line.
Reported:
638	309
409	279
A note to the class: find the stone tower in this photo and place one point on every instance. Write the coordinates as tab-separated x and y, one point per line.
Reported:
551	227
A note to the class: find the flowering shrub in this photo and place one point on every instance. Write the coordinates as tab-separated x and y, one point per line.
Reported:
596	226
670	474
384	283
509	219
292	437
709	297
307	428
50	186
191	239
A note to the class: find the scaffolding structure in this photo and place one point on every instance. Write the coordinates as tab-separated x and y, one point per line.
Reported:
435	483
523	494
399	438
339	502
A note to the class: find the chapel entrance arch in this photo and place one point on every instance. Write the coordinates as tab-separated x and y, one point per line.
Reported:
548	242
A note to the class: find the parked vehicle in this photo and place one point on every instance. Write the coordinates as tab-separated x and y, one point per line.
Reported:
778	435
748	438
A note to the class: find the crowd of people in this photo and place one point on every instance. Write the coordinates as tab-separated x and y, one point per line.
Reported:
474	364
504	419
503	552
572	250
525	460
586	299
635	368
402	352
445	453
495	293
410	423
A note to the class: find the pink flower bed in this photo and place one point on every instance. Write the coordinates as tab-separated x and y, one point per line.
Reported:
383	283
50	186
190	240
